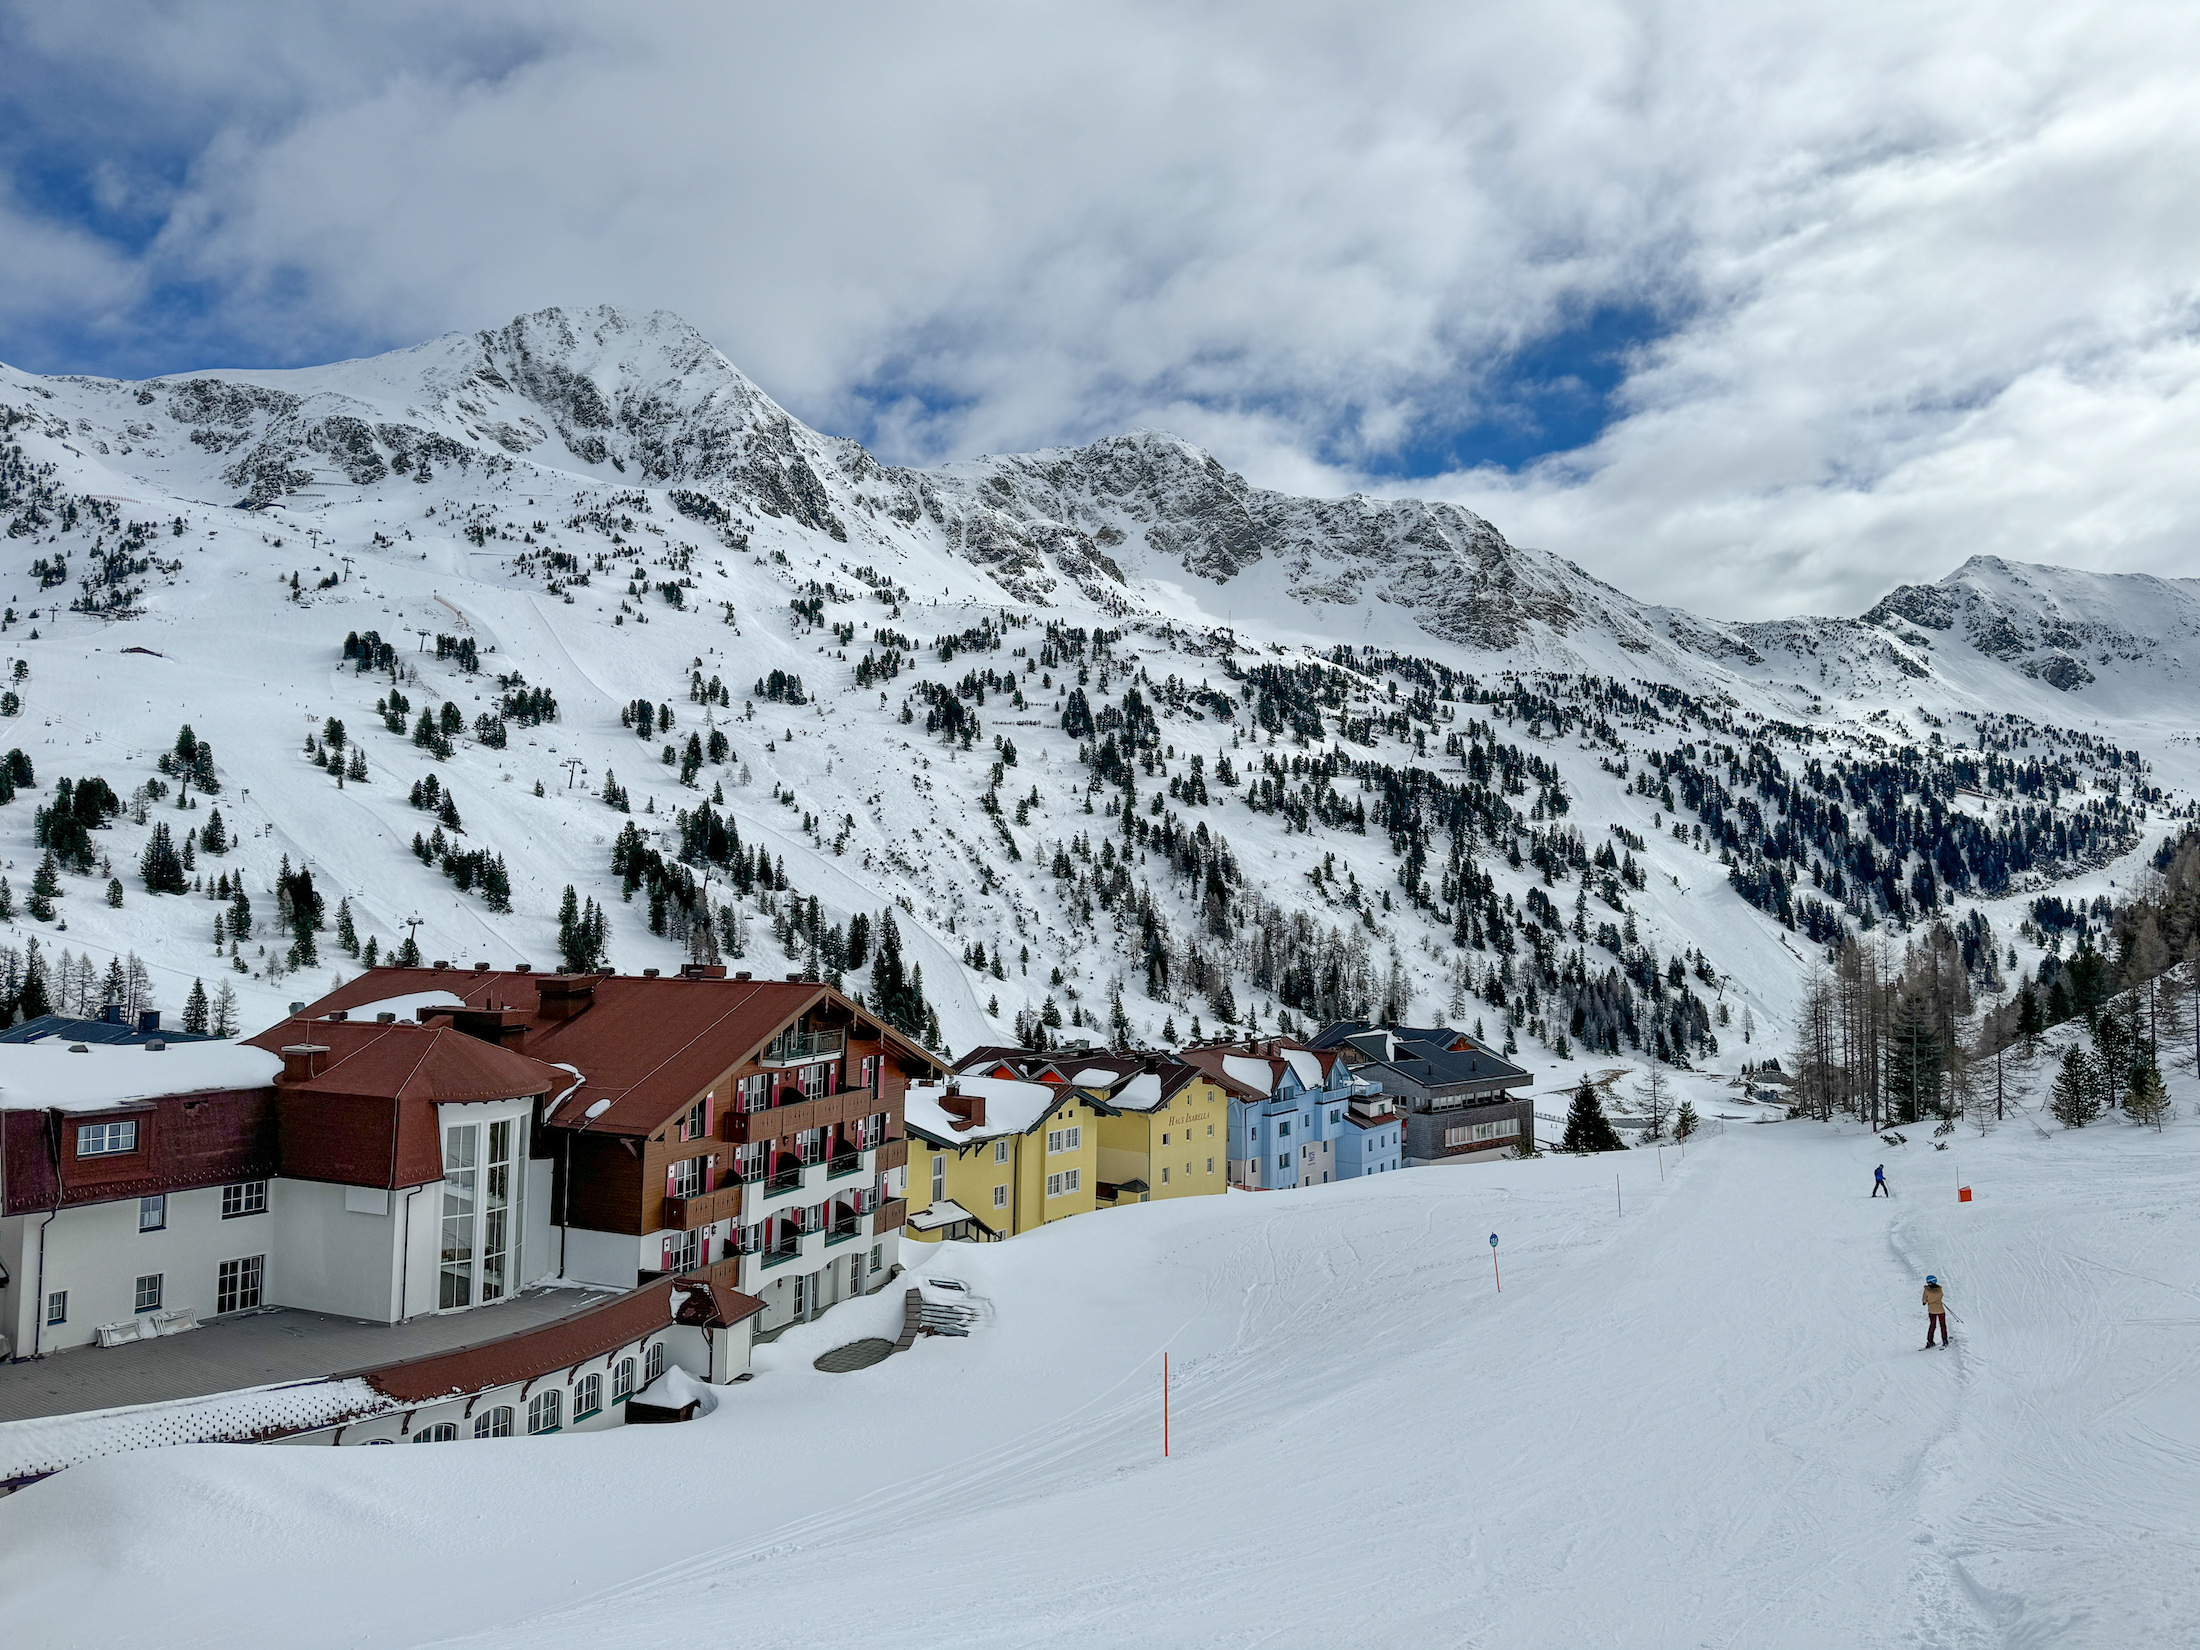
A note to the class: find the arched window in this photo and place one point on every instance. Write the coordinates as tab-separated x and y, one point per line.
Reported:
622	1381
443	1432
545	1411
495	1423
653	1362
587	1397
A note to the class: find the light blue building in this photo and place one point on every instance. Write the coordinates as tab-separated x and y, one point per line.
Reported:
1299	1117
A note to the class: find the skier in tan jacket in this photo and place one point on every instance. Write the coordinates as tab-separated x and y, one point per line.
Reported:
1936	1313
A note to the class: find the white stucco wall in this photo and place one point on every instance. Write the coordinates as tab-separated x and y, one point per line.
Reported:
332	1256
97	1253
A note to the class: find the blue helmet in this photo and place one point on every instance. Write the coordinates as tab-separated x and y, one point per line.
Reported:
1929	1278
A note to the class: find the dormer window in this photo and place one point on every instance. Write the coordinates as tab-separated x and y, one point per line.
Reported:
106	1139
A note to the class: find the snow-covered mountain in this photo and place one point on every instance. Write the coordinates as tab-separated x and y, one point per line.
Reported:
600	506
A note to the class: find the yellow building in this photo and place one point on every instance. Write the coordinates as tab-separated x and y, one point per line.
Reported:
1164	1129
990	1157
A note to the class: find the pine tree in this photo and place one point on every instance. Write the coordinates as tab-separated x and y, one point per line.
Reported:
407	955
2146	1098
45	887
1685	1120
2077	1090
225	1012
347	936
195	1008
7	901
372	955
34	1000
114	892
1587	1128
161	866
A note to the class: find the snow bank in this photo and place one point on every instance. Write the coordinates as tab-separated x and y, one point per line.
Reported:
114	1074
50	1442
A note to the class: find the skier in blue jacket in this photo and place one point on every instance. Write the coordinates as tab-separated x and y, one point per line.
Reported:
1879	1182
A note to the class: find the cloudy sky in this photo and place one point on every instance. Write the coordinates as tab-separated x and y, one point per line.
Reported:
1749	307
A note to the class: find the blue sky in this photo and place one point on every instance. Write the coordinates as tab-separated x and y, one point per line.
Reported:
1754	311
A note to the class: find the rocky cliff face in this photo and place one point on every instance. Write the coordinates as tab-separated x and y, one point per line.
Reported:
1113	526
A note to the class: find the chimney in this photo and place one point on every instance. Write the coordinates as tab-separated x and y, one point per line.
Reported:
386	1018
302	1060
562	996
481	968
795	978
968	1110
703	971
149	1021
441	962
111	1014
743	974
649	973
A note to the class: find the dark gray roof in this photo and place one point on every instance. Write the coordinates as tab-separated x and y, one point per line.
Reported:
1339	1031
1434	1067
145	1029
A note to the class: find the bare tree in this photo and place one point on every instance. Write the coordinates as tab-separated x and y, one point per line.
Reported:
1656	1092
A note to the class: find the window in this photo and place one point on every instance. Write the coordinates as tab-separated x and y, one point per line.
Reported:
622	1381
752	1094
1210	1165
246	1198
686	1177
939	1178
1063	1184
587	1397
1164	1176
653	1363
696	1123
443	1432
683	1251
1283	1160
105	1139
1064	1140
148	1292
545	1411
237	1285
1283	1129
496	1423
878	1256
1332	1117
813	1081
1000	1151
1471	1133
1210	1131
153	1213
57	1307
1164	1137
1000	1197
872	1065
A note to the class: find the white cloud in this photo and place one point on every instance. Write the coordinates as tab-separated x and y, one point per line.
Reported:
1931	274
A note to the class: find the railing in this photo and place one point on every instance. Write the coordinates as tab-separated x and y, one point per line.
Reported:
837	1168
781	1255
841	1234
894	1154
793	1049
891	1215
685	1214
787	1180
817	1112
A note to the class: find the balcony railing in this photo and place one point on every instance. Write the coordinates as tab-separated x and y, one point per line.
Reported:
891	1215
837	1168
778	1185
781	1255
686	1214
797	1048
841	1234
894	1154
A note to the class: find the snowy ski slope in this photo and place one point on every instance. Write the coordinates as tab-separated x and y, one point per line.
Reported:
1705	1421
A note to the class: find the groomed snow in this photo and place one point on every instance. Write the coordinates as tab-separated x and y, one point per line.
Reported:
1707	1421
46	1073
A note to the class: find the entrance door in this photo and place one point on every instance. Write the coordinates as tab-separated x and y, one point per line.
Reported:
477	1213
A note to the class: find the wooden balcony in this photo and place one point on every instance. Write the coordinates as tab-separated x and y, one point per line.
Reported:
847	1106
893	1155
890	1215
685	1214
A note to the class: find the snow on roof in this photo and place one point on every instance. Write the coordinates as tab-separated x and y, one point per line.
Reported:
115	1074
1011	1106
1306	1064
943	1213
1095	1077
1256	1075
47	1443
1141	1093
407	1007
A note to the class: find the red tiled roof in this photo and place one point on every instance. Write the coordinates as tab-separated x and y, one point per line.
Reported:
647	1046
552	1347
409	1062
